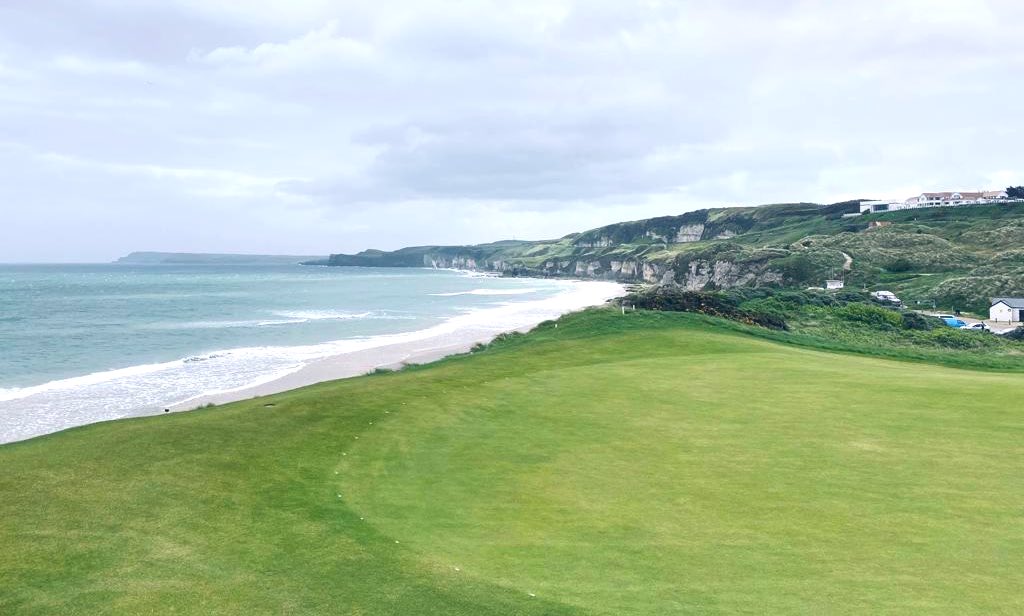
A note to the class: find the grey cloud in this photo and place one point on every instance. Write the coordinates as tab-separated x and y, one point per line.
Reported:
581	155
321	125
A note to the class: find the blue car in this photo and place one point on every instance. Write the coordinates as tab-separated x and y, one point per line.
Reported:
954	322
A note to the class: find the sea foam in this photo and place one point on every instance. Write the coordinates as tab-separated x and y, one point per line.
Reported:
148	388
487	292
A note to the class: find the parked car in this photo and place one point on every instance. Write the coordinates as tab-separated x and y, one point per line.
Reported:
977	327
954	322
946	316
886	297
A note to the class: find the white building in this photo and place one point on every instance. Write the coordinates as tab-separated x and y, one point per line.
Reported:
834	284
1006	309
871	207
935	199
941	199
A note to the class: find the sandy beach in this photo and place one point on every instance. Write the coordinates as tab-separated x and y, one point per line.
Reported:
457	335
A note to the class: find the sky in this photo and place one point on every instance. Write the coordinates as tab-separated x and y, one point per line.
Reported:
319	126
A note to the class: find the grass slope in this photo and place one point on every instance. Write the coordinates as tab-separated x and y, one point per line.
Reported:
639	464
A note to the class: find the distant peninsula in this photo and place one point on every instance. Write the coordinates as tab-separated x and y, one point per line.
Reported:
195	258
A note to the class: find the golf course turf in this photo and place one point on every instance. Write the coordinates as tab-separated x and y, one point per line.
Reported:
647	463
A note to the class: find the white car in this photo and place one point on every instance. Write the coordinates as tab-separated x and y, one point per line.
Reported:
887	296
977	327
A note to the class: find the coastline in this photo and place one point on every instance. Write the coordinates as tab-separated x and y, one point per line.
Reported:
351	364
457	335
226	373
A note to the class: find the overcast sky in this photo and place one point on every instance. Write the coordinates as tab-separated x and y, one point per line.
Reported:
317	126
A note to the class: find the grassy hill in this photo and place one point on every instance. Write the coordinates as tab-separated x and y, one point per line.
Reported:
651	463
956	257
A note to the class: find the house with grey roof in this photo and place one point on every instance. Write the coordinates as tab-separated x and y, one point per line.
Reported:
1006	309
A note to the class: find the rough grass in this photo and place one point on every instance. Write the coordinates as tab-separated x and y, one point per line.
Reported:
638	464
831	329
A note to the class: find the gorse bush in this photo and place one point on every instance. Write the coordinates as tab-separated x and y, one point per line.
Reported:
675	299
919	322
901	264
769	306
1015	334
956	339
876	316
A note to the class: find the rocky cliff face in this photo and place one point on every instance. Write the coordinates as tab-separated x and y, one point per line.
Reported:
694	275
703	274
690	233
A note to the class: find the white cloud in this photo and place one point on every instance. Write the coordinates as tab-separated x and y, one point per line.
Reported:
320	48
94	66
425	121
199	181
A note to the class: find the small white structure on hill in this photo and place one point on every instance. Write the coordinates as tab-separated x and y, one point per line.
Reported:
1006	309
834	284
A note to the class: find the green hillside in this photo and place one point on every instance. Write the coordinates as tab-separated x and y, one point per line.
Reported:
647	463
956	257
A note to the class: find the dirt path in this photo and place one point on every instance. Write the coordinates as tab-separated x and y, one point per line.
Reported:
847	262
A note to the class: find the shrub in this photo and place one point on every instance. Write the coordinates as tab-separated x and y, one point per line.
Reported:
796	298
847	296
675	299
769	307
876	316
919	322
901	264
956	339
1015	334
796	268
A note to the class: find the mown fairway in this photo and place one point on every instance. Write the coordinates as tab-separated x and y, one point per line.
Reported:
638	464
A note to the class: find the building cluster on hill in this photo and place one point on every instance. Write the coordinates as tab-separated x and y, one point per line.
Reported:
937	199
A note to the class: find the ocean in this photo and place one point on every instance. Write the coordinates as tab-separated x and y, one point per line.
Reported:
86	343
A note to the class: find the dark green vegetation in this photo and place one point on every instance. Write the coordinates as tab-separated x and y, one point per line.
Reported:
846	321
955	257
647	463
193	258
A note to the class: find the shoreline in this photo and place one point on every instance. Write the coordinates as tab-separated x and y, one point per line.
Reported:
61	404
352	364
398	350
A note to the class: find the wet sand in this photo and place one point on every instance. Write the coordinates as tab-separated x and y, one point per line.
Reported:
416	348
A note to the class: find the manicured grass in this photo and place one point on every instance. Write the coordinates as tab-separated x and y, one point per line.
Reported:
652	463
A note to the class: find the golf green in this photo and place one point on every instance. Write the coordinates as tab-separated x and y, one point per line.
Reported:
647	463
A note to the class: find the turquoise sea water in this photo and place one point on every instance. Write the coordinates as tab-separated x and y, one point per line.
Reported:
80	343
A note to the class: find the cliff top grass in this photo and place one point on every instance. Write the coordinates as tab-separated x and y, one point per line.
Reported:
794	245
647	463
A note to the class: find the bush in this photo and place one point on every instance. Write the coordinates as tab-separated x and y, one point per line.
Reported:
675	299
919	322
797	268
769	307
901	264
1015	334
848	296
956	339
876	316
